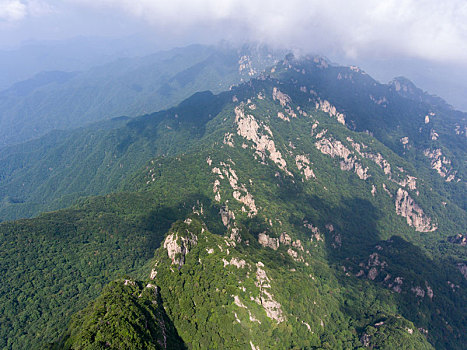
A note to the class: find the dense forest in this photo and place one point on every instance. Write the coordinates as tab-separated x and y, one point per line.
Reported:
308	208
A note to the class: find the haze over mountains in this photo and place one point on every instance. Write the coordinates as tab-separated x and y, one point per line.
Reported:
239	174
58	85
128	86
303	204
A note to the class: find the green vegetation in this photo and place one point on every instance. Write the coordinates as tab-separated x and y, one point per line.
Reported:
130	86
127	315
298	233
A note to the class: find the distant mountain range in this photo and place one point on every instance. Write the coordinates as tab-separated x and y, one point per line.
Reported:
128	86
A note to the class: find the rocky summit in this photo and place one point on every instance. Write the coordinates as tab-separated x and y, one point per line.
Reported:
310	207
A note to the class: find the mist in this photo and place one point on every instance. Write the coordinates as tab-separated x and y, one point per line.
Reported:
423	40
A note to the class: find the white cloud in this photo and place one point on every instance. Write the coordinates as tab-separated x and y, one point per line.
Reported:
12	10
431	29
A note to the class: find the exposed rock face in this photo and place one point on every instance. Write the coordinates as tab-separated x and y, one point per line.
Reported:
298	244
249	128
245	65
365	339
215	189
429	291
396	285
228	140
178	246
328	108
441	164
405	142
253	347
246	199
267	241
458	239
315	231
409	181
240	192
273	308
303	164
281	115
386	190
377	158
226	215
418	291
239	263
382	101
372	273
283	99
335	148
406	207
285	239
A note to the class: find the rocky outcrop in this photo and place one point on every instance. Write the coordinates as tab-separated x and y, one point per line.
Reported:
267	241
396	286
418	291
335	148
407	181
246	199
240	192
283	99
228	140
441	164
266	299
328	108
179	245
406	207
458	239
238	263
249	128
382	101
285	239
246	66
314	230
405	142
303	164
386	190
226	215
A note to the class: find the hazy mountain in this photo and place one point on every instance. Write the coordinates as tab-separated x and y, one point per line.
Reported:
80	53
439	78
128	86
51	172
311	207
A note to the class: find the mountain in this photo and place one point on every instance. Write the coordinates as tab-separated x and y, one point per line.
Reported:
53	171
310	207
78	53
128	86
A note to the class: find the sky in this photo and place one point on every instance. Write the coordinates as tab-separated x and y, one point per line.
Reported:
370	32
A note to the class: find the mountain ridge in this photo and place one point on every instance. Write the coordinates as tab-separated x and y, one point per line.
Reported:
332	225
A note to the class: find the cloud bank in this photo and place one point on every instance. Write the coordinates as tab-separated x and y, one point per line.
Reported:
428	29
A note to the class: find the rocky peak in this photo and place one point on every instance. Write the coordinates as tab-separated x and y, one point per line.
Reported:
180	240
408	89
